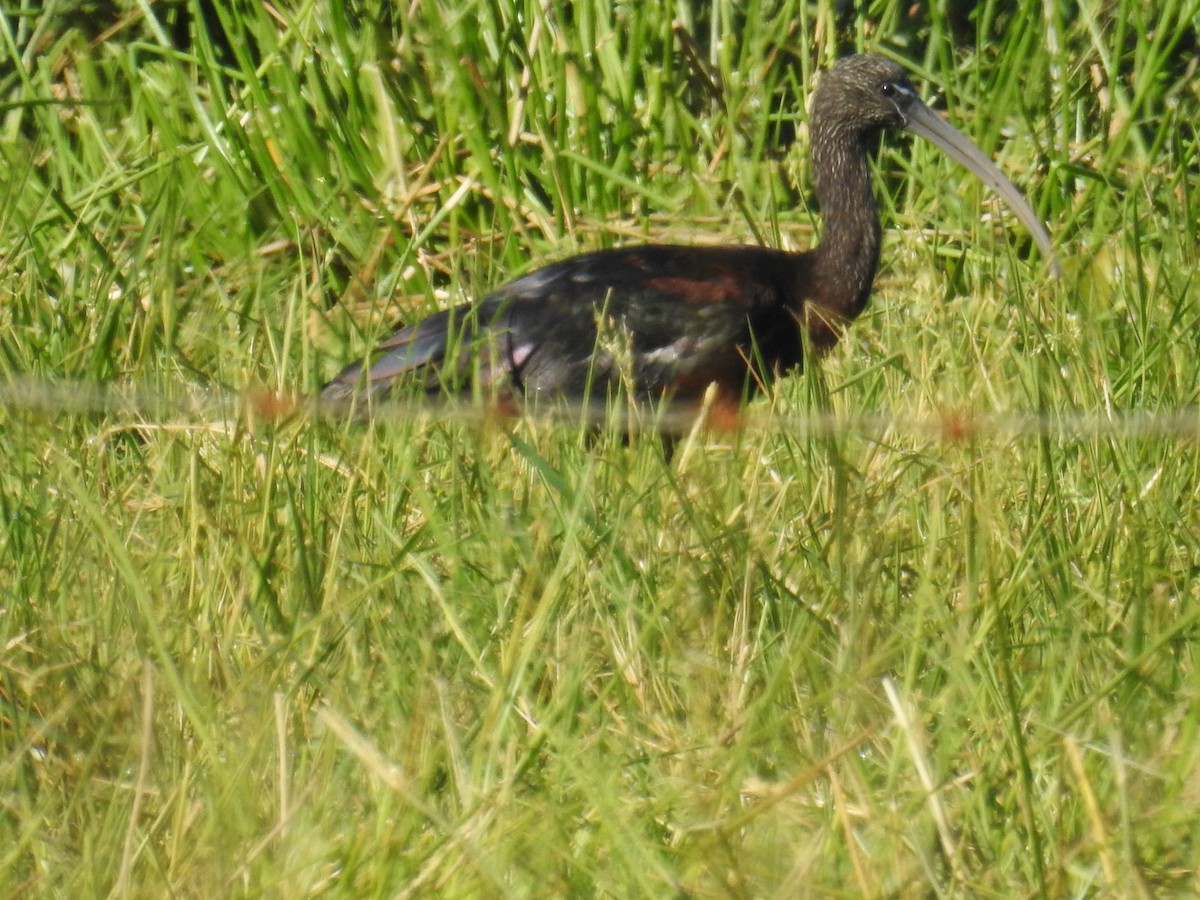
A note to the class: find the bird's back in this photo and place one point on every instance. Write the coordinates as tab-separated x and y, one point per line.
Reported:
662	320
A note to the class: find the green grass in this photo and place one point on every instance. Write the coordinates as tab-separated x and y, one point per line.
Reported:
928	628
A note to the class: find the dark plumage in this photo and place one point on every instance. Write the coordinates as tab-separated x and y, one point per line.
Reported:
668	321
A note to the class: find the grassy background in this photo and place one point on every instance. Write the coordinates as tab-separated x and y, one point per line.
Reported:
918	653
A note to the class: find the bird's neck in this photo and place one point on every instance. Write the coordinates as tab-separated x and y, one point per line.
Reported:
848	255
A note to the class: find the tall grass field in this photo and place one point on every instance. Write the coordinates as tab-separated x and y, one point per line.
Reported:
926	625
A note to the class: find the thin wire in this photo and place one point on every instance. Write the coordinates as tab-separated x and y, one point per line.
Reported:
196	405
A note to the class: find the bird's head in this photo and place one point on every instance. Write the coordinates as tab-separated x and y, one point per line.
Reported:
865	93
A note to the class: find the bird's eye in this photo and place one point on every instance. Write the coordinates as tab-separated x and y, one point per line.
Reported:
888	89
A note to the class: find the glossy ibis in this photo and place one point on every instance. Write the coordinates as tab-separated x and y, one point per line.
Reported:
668	321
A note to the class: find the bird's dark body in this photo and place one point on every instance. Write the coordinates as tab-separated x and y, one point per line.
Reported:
662	320
669	321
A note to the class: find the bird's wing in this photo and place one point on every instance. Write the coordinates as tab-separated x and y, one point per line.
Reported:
659	319
474	338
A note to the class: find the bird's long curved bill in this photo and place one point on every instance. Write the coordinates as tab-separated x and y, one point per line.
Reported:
923	121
